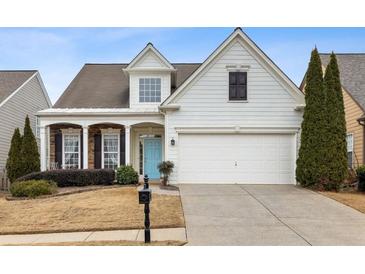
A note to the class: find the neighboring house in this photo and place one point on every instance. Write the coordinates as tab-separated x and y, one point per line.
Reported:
22	93
352	74
235	118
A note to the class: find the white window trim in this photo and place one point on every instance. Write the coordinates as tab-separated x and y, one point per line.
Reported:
109	132
237	68
352	147
37	127
139	91
70	132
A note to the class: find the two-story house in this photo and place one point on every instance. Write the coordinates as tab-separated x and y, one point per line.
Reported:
235	118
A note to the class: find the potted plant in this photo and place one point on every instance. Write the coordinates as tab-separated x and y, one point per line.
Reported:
165	168
360	171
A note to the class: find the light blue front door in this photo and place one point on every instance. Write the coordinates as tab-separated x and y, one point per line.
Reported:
152	157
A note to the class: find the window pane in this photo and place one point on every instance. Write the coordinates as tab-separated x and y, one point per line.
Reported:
349	159
150	91
241	92
241	78
232	92
232	78
111	152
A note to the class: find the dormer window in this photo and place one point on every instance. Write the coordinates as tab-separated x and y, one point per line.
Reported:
149	90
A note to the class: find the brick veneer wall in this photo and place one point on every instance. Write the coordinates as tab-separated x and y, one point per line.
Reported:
95	129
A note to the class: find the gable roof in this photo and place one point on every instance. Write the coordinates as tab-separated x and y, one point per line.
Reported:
265	60
11	80
107	86
352	74
149	48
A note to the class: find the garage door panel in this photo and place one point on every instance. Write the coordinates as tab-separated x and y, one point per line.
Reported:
236	158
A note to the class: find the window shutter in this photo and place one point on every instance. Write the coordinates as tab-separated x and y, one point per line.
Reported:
97	151
82	149
122	149
58	149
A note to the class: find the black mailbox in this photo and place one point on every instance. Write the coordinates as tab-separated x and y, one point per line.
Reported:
145	196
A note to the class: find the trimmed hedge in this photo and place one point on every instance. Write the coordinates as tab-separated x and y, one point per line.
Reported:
33	188
74	177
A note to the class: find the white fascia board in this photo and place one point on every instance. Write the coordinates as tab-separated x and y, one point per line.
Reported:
96	112
44	89
299	96
149	47
19	88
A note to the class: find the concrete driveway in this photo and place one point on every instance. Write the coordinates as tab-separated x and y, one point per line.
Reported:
267	215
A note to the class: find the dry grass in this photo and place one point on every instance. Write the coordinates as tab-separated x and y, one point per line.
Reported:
111	243
106	209
355	200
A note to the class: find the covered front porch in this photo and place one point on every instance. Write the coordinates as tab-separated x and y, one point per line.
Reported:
70	143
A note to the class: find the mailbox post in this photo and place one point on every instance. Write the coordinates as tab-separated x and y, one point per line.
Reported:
145	197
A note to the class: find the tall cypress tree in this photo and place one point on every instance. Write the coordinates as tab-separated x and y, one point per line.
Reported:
30	161
13	162
311	166
336	151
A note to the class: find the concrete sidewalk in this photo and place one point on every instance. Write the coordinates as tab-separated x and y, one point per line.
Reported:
163	234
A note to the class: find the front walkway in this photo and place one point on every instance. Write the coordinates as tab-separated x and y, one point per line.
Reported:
267	215
157	235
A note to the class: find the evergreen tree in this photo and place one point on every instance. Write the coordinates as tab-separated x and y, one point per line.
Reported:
30	161
13	163
336	151
311	165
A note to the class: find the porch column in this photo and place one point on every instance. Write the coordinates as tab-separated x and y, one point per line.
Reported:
85	148
43	144
127	144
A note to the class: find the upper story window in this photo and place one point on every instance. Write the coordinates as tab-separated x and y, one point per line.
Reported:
37	127
237	86
149	90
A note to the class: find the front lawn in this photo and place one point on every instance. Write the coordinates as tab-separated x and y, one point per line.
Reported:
106	209
355	200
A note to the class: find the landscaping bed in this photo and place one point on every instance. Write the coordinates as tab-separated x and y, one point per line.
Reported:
105	209
355	200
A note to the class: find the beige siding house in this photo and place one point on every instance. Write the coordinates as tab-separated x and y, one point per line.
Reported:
21	93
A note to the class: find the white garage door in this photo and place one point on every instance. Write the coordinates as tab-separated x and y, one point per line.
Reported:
236	158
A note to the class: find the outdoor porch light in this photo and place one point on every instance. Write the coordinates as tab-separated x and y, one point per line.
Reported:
172	142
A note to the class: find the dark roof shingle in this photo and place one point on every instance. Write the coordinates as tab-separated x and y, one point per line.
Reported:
107	86
10	81
352	74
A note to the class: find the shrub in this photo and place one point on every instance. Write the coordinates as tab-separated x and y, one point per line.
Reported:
30	160
165	168
360	171
13	163
74	177
127	175
33	188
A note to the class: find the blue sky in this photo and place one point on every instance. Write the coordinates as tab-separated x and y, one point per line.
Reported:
59	53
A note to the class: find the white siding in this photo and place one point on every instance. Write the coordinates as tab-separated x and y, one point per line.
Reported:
205	102
150	60
26	101
134	88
